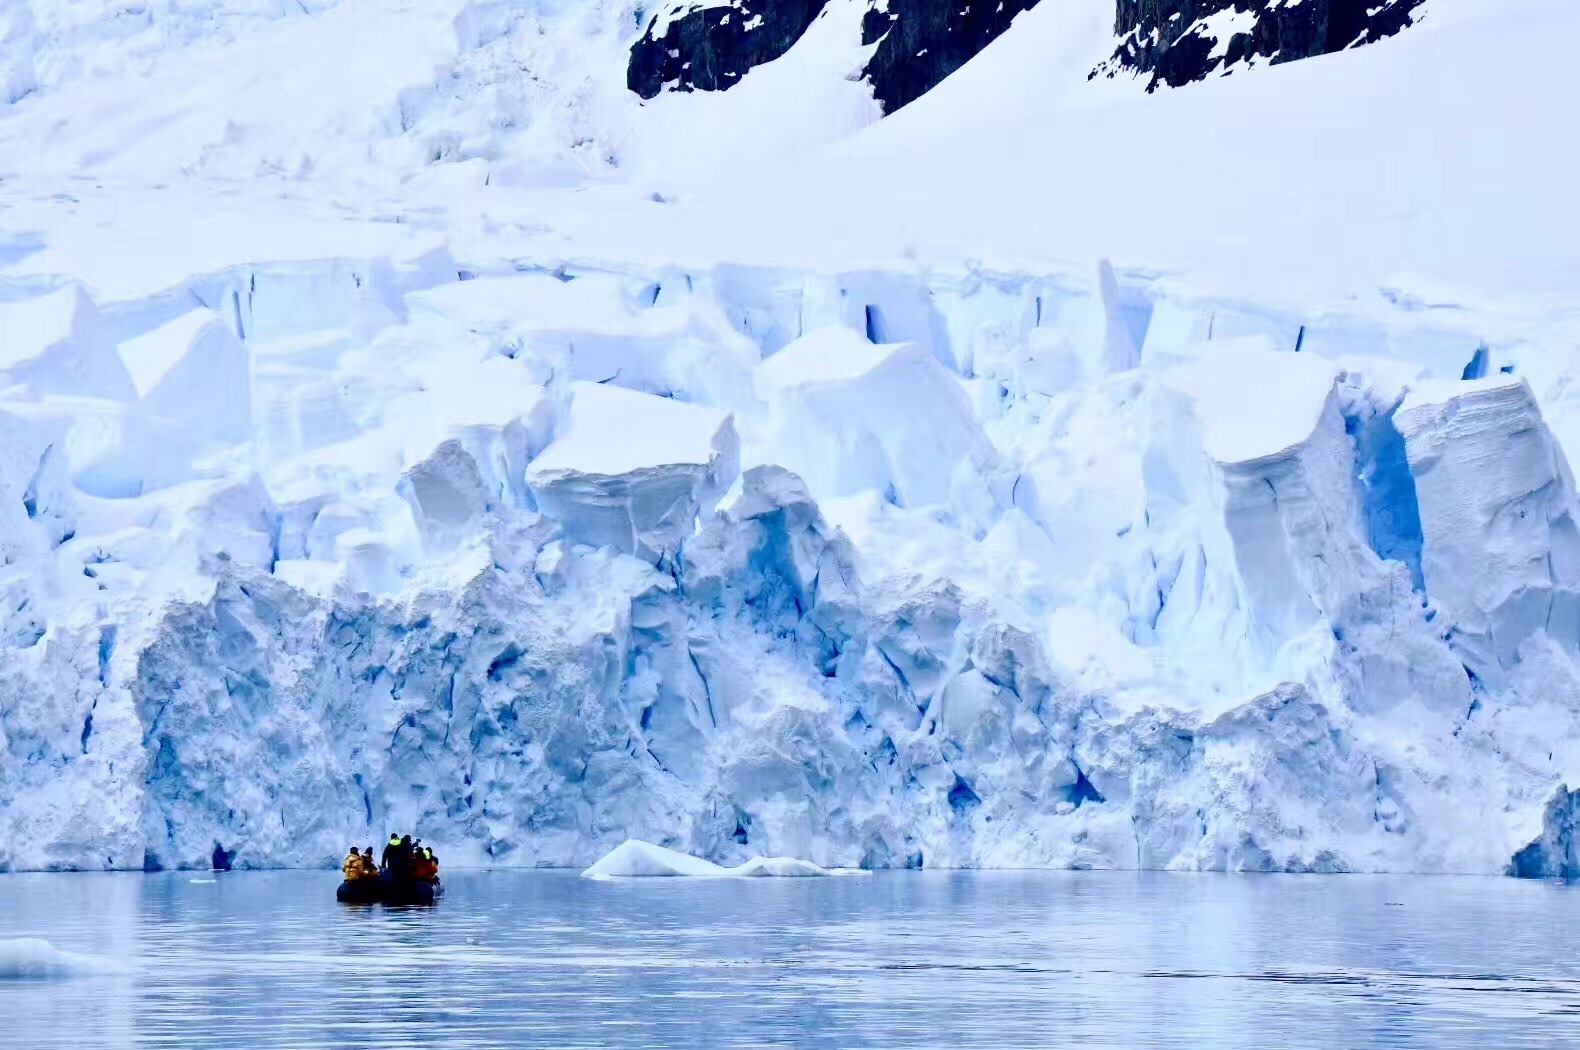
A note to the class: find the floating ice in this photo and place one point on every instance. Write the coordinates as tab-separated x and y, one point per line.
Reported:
28	957
636	859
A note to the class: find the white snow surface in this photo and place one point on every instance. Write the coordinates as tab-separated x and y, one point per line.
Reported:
402	426
636	859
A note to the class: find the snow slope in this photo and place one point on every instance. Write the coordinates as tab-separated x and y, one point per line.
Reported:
1047	475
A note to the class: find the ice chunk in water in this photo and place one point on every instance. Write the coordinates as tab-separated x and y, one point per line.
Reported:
634	858
32	957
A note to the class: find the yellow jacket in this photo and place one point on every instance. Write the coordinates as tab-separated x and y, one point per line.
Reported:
351	867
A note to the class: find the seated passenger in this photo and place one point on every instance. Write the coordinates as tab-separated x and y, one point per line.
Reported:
351	867
370	868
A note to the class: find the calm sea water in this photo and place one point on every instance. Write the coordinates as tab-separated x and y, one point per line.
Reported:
913	959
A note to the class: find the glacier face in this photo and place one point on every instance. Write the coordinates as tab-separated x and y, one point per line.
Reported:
395	454
1058	579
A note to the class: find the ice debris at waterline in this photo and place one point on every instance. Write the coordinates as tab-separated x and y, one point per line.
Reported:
31	957
636	859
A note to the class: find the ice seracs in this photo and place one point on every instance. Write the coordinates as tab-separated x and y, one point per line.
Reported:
850	416
1270	422
59	343
1500	550
1137	616
194	372
632	470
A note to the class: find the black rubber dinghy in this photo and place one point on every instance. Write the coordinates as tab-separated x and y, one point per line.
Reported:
386	891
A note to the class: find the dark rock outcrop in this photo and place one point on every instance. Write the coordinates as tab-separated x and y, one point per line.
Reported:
918	43
710	48
710	45
1171	42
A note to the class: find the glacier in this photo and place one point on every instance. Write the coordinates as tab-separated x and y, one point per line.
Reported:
448	453
558	614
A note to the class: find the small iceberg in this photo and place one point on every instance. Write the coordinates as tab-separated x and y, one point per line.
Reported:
634	858
30	957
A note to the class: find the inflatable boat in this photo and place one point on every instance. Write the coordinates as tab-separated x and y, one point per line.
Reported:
388	891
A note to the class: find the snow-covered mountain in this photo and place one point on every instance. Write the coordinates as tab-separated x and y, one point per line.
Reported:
1177	42
911	45
409	424
710	45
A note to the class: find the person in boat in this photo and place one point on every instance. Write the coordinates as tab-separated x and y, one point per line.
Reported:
351	867
370	868
423	866
401	869
390	861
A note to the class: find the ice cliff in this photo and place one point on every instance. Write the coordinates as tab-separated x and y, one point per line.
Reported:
1048	582
464	444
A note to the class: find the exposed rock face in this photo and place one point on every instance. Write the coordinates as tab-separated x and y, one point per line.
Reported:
712	45
920	42
709	46
1175	42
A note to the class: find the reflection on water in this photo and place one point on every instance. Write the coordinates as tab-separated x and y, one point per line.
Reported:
908	959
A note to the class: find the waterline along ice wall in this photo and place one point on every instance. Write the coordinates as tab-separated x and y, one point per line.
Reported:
884	568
